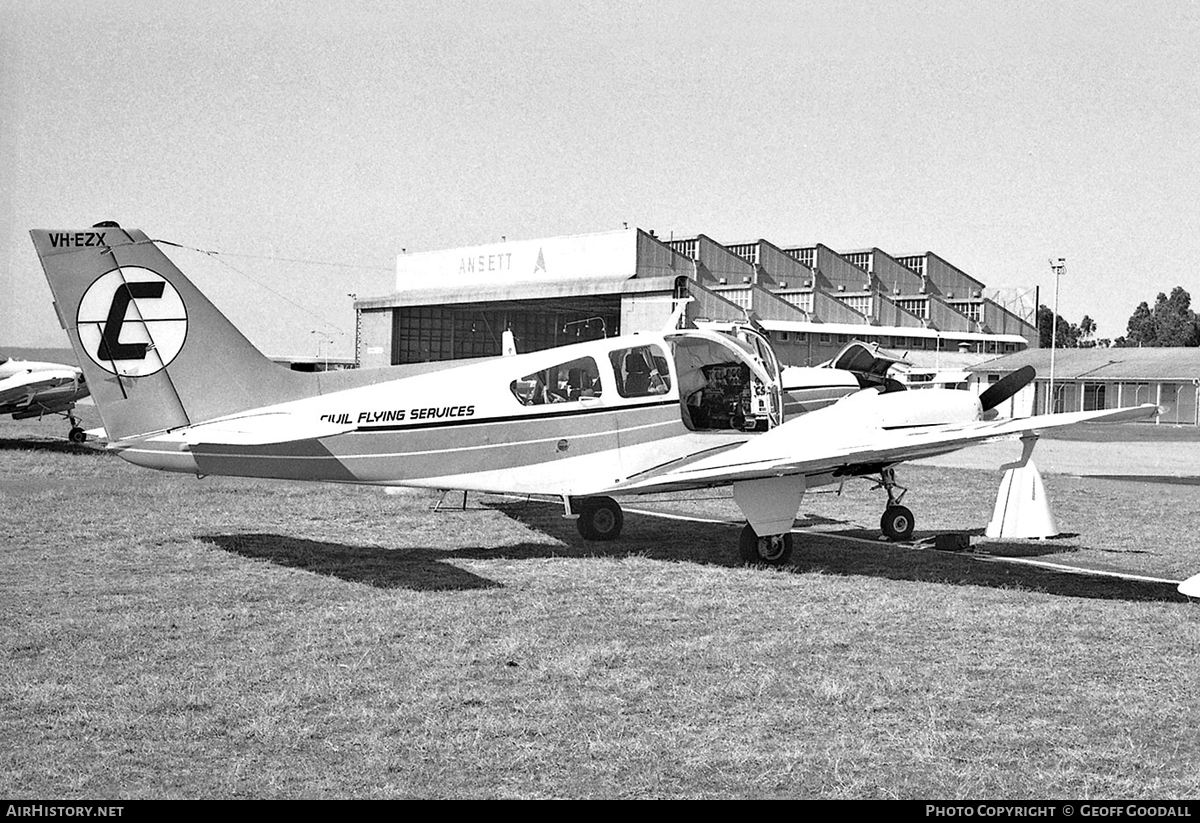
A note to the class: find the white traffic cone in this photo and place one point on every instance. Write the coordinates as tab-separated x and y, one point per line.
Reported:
1022	508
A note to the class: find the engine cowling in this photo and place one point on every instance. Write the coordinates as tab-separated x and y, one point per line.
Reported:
909	409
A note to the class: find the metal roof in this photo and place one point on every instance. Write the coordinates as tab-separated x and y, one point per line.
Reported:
1174	363
517	290
861	329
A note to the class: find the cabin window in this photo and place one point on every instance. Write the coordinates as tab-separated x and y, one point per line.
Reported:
641	371
563	383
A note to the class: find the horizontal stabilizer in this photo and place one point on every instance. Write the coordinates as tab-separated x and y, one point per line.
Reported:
29	383
260	430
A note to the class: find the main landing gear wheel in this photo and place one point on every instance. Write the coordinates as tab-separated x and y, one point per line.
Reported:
600	518
77	435
896	523
772	550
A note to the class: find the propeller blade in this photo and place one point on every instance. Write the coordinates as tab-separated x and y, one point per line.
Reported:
997	393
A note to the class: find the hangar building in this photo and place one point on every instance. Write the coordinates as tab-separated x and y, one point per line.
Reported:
456	304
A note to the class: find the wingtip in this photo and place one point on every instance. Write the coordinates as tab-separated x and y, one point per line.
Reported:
1190	587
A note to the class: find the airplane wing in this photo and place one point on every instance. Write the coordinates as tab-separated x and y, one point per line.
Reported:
809	445
21	390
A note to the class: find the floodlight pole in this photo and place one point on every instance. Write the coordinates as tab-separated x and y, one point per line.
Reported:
1059	267
357	325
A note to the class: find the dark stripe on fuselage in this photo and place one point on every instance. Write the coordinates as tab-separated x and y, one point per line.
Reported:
512	418
411	453
840	386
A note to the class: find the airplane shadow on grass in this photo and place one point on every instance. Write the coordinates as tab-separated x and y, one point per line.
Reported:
417	569
427	569
716	543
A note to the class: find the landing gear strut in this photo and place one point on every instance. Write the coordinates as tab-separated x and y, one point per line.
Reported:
897	521
76	434
772	550
600	518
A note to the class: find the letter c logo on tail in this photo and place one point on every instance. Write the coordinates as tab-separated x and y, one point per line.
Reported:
131	322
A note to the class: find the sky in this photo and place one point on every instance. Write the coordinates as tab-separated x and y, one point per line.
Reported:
310	142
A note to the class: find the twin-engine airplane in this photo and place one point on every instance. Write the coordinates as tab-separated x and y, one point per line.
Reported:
32	389
180	389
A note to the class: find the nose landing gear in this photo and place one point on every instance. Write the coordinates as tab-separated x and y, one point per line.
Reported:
897	521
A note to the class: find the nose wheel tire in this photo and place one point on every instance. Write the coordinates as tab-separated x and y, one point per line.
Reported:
772	550
600	518
77	435
897	523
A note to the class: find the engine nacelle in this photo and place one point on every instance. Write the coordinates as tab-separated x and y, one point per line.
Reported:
909	409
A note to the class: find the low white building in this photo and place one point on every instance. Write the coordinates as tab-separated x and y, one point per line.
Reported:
1088	379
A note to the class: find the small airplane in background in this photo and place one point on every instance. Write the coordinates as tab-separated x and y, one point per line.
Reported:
32	389
180	389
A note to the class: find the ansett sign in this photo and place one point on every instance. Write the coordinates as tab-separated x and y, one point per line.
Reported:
582	256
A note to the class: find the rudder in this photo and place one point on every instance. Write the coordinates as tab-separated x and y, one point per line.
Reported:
157	354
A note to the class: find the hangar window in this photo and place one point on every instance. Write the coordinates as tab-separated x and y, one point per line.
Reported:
641	371
563	383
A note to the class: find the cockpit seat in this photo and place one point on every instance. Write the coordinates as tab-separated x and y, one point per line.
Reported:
637	374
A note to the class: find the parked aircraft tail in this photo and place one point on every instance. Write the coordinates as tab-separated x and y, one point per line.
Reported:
156	353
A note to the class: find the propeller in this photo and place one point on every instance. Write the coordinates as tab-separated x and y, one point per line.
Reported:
997	393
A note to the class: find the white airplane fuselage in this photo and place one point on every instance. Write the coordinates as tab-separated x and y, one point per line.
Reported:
466	427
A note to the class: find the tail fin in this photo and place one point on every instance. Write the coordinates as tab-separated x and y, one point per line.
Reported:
156	353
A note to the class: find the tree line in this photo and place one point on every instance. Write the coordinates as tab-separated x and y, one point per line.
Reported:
1171	322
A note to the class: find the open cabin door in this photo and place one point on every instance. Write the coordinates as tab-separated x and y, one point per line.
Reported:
869	364
727	381
764	355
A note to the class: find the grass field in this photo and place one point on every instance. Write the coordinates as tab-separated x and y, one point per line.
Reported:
168	637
